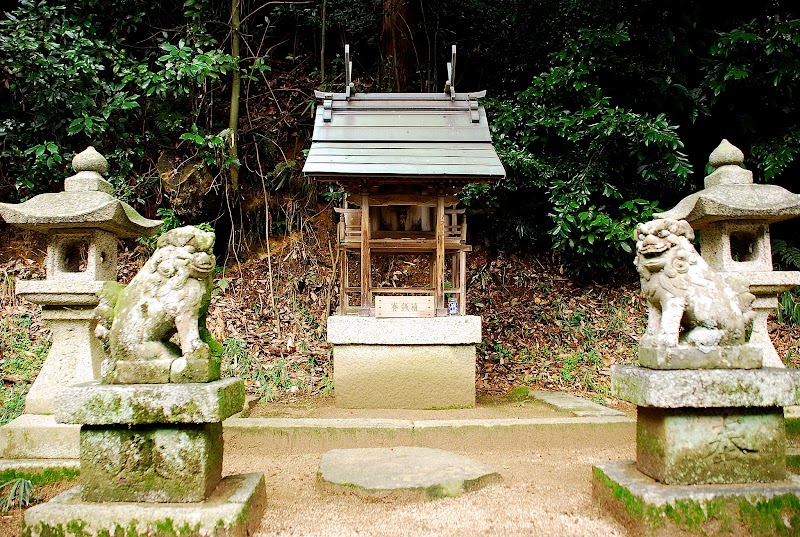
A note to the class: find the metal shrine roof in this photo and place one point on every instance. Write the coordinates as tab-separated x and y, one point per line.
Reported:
402	136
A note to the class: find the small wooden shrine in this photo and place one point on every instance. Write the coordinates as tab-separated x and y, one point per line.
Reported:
402	158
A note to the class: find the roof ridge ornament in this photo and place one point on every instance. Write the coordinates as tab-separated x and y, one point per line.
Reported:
450	85
348	74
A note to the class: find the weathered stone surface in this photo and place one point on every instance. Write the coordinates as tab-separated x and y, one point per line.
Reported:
150	464
577	405
60	292
233	510
688	302
706	388
105	404
404	376
695	446
74	357
647	507
37	436
455	330
735	201
745	356
169	295
185	370
95	209
726	154
87	181
89	160
382	472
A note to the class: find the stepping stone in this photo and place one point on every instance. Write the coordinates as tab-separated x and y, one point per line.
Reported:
411	472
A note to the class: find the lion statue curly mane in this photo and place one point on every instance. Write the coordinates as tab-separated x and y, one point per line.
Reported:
688	302
169	295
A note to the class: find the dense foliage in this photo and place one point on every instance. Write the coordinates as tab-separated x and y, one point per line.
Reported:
602	111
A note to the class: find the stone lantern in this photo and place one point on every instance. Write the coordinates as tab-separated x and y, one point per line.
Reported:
82	225
732	216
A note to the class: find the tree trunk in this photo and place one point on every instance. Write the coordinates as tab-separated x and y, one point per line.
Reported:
397	43
236	85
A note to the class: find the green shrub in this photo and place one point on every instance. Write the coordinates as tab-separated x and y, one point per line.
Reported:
585	159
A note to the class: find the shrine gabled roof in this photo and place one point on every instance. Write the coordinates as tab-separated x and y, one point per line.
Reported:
402	136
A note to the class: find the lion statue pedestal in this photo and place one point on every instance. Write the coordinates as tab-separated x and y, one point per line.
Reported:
151	444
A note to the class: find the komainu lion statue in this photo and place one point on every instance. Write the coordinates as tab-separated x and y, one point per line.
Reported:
688	302
169	295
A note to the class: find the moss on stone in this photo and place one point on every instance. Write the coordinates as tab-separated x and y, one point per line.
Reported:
793	463
792	427
778	516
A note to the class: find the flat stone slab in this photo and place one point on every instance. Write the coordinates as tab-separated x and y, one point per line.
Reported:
687	357
576	405
233	510
93	403
706	388
38	436
647	507
403	471
455	330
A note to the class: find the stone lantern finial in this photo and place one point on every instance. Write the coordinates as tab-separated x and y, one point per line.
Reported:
89	160
89	166
725	153
727	160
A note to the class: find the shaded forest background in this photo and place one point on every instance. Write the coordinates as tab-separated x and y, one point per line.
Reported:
602	112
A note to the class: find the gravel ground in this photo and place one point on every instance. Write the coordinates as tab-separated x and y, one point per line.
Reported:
546	487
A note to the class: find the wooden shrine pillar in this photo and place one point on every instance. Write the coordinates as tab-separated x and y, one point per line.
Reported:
366	262
438	270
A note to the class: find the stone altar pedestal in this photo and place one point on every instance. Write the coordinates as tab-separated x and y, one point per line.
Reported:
710	452
416	363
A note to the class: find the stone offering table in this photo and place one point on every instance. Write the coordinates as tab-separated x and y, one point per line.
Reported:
404	363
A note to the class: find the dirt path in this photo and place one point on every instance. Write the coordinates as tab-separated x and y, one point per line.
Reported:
546	487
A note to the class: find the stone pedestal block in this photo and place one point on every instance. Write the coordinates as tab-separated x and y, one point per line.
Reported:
417	363
233	510
706	388
404	376
38	436
150	464
74	357
694	446
689	357
646	507
107	404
